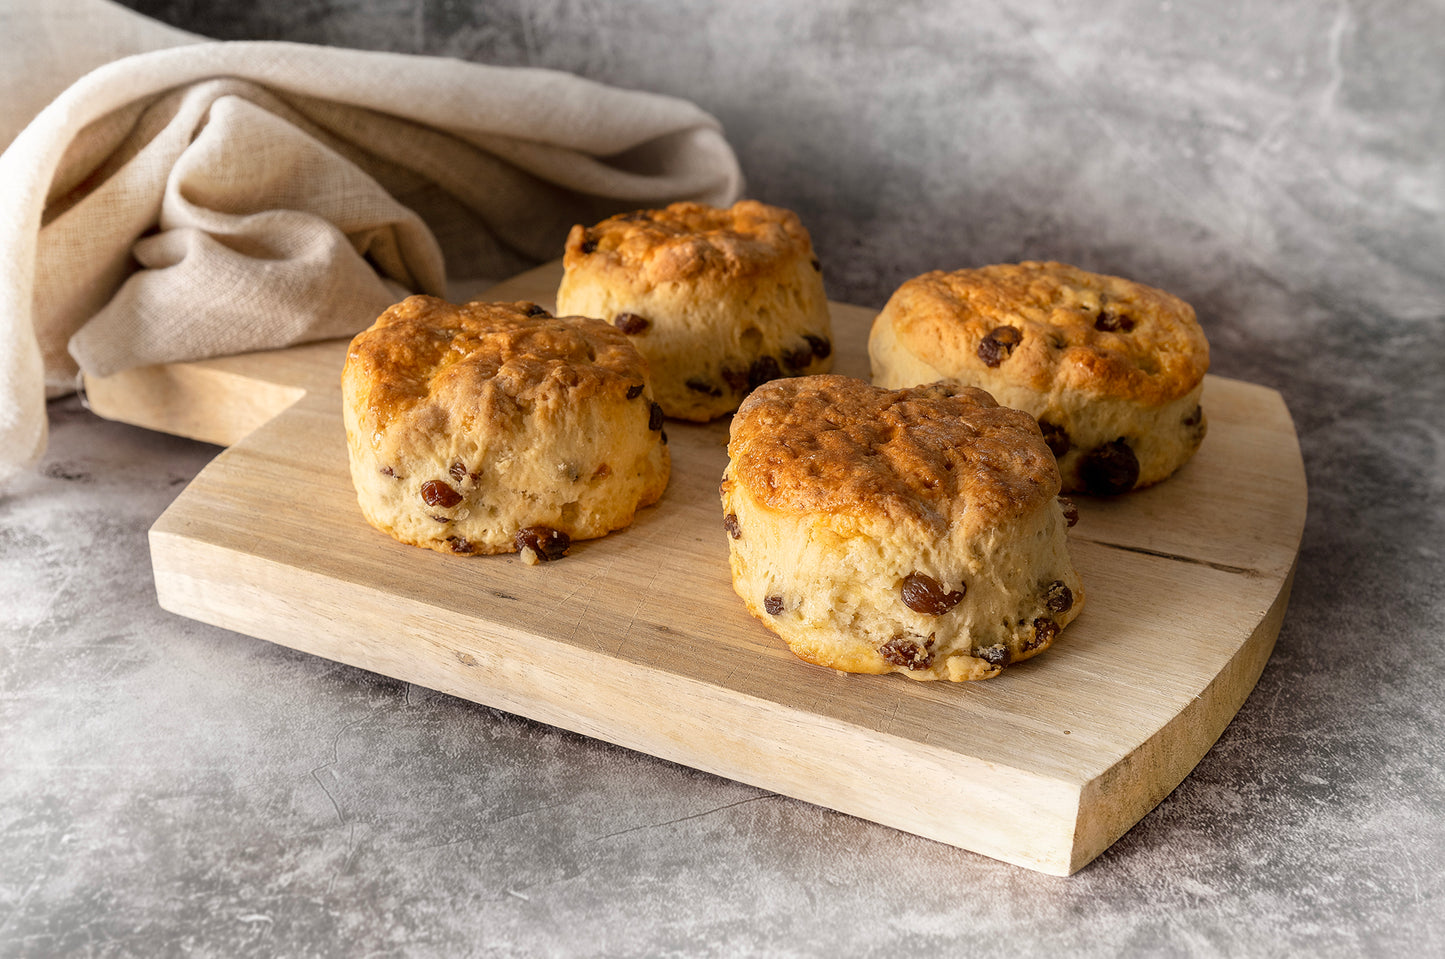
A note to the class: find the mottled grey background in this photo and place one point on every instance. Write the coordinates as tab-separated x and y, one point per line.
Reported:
166	787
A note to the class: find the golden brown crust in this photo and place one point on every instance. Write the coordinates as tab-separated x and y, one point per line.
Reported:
483	361
1102	335
495	427
938	455
717	300
687	240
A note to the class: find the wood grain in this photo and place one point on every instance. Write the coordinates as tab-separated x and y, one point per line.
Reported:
638	639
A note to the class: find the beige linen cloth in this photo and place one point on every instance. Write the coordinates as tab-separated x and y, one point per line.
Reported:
213	198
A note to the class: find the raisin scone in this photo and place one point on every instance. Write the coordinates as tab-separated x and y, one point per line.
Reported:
497	427
1111	369
916	531
717	300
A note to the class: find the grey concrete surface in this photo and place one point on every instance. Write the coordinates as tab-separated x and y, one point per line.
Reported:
168	788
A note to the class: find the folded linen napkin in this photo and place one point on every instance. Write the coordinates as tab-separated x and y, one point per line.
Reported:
216	198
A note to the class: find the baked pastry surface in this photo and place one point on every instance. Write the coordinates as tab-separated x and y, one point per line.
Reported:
497	427
717	300
1112	369
916	531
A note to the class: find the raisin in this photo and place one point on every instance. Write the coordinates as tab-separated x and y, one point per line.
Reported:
588	244
730	523
602	472
764	368
388	471
631	323
654	417
534	309
773	604
1113	323
996	347
1058	597
1056	437
1195	418
737	380
460	545
1110	469
817	264
905	652
635	390
924	594
458	471
703	386
822	346
1044	632
796	360
996	655
547	543
1071	511
437	493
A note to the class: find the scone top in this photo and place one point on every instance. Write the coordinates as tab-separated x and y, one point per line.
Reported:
936	457
650	248
1049	326
480	362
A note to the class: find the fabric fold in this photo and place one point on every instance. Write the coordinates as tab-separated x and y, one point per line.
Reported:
222	197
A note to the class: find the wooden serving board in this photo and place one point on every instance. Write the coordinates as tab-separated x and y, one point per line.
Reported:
638	639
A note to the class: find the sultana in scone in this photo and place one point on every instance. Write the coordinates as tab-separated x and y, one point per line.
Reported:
497	427
1111	369
717	300
916	531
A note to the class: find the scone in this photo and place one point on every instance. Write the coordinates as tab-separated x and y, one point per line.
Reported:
916	531
1111	369
719	301
496	427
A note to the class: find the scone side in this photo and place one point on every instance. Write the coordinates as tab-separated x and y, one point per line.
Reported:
707	345
467	423
836	591
717	300
585	476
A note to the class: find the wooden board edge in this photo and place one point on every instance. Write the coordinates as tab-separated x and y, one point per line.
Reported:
197	401
1113	802
223	400
1020	817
